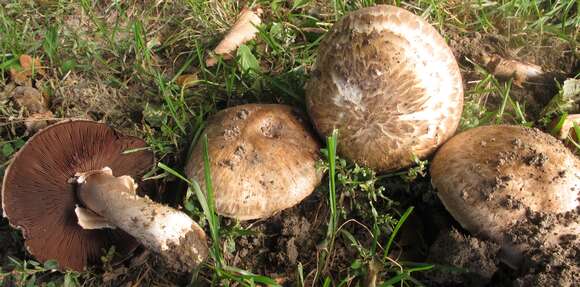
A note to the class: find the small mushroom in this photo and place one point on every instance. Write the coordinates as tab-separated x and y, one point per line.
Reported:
497	180
262	160
61	192
388	81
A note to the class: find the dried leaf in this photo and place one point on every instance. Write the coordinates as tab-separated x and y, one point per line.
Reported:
186	80
28	66
29	99
511	69
243	31
20	77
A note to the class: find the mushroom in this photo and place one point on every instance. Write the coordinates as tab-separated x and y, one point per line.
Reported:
62	192
388	81
510	184
262	160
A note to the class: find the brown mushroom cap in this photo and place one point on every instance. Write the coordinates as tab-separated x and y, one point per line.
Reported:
490	178
388	81
38	198
263	160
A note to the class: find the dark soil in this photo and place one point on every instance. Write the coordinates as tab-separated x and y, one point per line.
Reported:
464	260
279	243
10	244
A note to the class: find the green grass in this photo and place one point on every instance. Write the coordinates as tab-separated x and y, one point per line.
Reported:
139	49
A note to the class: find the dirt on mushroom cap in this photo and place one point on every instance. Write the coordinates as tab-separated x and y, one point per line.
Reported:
519	187
488	176
263	159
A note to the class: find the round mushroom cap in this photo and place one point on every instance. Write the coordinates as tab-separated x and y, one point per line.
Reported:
389	83
39	198
491	178
262	160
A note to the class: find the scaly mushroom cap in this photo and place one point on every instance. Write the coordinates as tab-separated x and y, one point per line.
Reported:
388	81
489	177
39	199
263	160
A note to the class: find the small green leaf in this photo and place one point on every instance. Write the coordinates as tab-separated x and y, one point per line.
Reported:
31	282
357	264
33	263
7	150
18	143
188	205
154	115
69	280
246	60
68	65
299	4
51	265
276	30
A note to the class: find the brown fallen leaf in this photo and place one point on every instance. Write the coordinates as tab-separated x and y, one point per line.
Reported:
34	106
243	31
31	64
19	77
506	69
186	80
29	99
28	66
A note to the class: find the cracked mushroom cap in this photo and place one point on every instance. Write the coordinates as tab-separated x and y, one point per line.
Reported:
388	81
491	178
262	160
39	198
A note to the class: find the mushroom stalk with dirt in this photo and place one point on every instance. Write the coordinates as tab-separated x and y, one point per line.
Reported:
71	191
113	201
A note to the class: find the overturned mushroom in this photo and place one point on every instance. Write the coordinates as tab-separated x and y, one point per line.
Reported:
61	192
262	158
511	184
388	81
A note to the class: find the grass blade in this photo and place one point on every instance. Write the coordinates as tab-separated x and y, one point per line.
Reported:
396	230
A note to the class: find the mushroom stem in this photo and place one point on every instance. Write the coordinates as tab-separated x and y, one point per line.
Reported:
164	230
